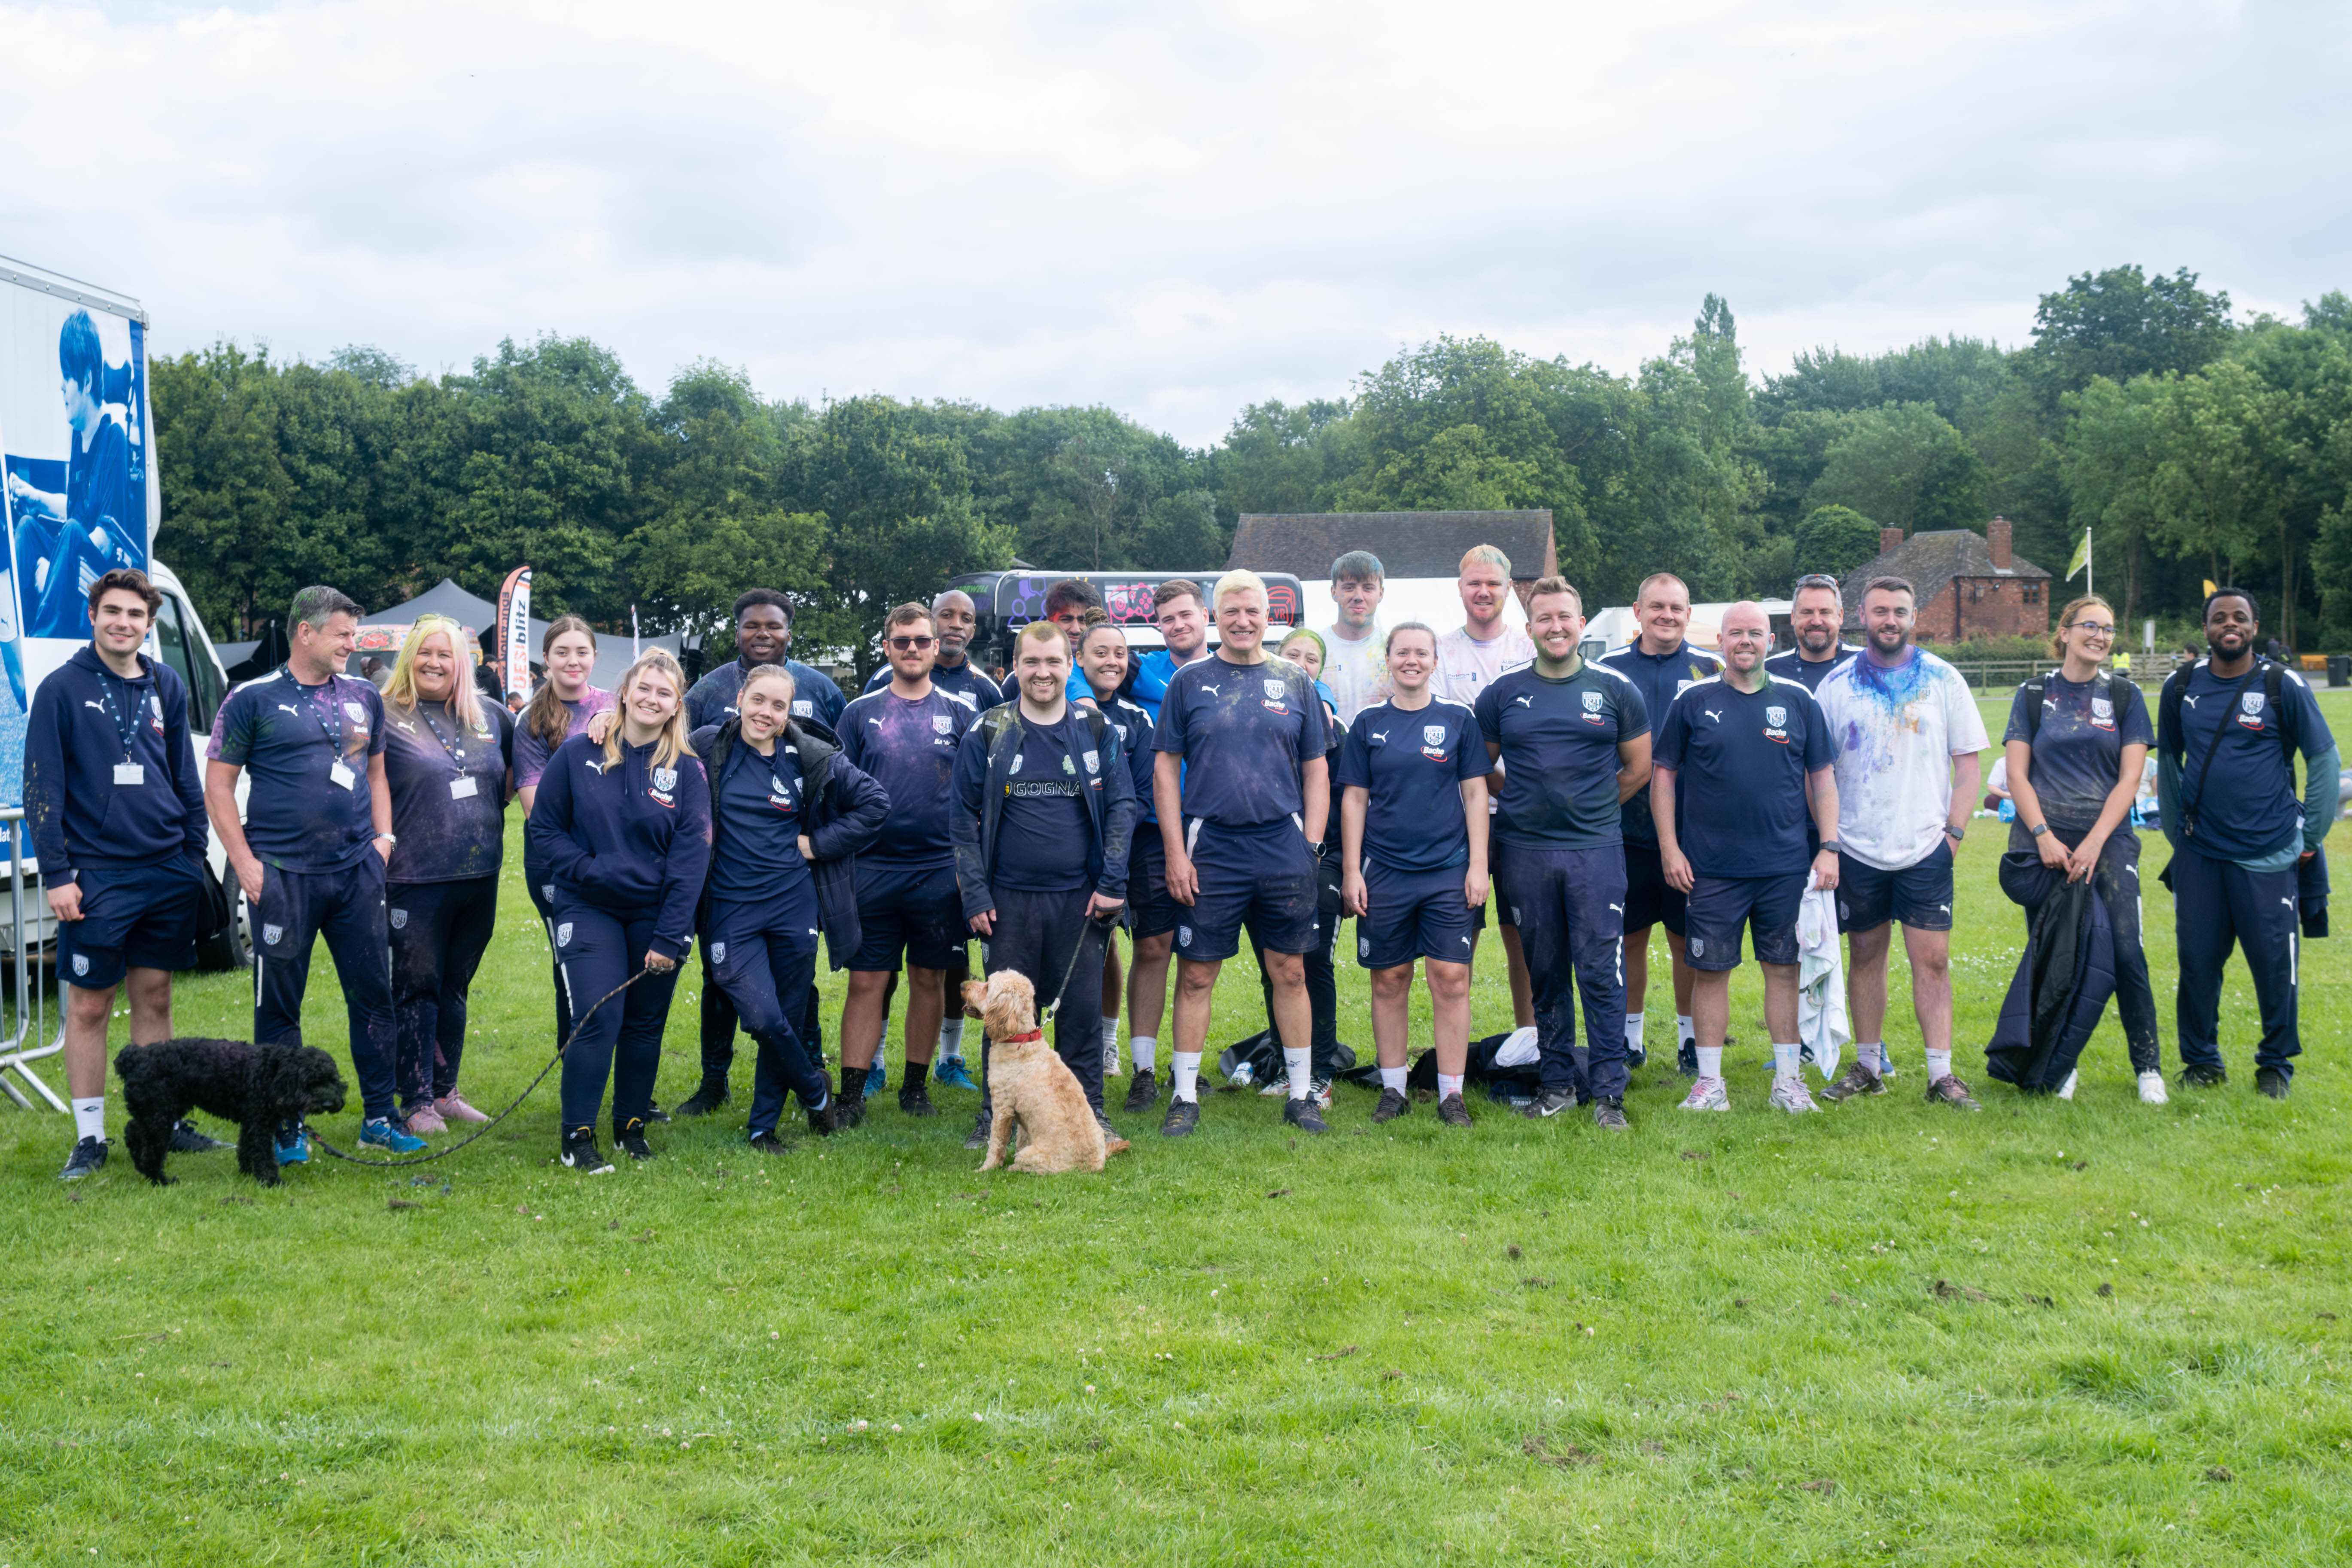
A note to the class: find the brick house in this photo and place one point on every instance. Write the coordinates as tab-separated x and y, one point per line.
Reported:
1970	584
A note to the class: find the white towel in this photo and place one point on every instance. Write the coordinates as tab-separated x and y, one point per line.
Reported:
1520	1050
1821	1026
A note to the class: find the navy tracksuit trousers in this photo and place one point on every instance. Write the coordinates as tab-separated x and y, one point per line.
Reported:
345	906
1569	907
597	950
2219	904
719	1021
1036	934
439	933
762	956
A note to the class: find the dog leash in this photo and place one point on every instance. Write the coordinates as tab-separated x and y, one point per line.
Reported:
483	1131
1103	923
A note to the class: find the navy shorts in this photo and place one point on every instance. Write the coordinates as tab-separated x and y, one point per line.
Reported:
132	917
1650	898
1414	914
1919	895
1262	876
1150	910
910	910
1720	906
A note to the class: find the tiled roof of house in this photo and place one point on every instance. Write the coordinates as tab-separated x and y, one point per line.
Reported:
1929	562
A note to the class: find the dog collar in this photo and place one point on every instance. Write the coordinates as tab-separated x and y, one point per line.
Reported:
1023	1039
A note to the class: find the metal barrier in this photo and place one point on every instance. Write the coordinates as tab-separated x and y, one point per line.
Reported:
26	1013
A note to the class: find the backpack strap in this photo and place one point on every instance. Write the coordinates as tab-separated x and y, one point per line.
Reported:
2039	686
2273	688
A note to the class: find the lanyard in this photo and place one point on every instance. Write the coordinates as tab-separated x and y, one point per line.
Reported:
125	731
334	732
456	753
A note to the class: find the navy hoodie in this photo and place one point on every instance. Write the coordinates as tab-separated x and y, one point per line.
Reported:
80	816
628	841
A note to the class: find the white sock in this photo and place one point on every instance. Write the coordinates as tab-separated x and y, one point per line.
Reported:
951	1037
1939	1065
1633	1031
1186	1065
1785	1059
1299	1067
1110	1036
1393	1078
1871	1054
1448	1084
1145	1049
89	1117
1710	1061
1683	1030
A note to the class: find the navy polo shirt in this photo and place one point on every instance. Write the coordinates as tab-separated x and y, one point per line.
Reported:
288	737
1411	765
908	747
1740	759
1790	665
2248	809
2078	747
1659	678
966	679
756	839
1045	832
448	786
1559	740
1244	732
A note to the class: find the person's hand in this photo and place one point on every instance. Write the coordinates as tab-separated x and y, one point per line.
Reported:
2054	854
600	725
808	850
1354	896
383	848
2085	858
1677	868
984	923
1102	907
1825	869
248	877
657	965
64	899
1183	881
1475	886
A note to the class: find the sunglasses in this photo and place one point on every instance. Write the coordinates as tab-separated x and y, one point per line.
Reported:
916	644
1817	580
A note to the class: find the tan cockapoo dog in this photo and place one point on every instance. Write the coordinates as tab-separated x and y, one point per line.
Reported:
1028	1083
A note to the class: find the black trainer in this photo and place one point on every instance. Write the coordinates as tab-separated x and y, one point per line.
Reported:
850	1104
979	1137
2204	1075
705	1100
1636	1057
2272	1083
87	1158
580	1153
825	1119
1453	1113
1686	1058
1304	1114
1549	1103
629	1138
1142	1092
914	1100
1183	1115
1610	1114
1110	1134
655	1113
1392	1106
769	1143
186	1140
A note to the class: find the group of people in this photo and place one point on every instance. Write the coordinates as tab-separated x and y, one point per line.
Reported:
1412	780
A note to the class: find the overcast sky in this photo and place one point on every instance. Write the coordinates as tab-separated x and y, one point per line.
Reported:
1174	209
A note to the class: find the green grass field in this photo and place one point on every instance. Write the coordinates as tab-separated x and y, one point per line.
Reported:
2049	1333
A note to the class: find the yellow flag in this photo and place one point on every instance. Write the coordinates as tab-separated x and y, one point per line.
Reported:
2082	557
2209	586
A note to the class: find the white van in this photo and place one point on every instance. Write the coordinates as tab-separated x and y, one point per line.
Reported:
79	497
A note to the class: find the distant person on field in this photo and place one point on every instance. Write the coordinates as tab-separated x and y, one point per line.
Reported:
2227	729
117	815
1908	771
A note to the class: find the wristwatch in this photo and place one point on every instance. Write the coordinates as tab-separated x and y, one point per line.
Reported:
1955	833
2039	828
1833	845
391	838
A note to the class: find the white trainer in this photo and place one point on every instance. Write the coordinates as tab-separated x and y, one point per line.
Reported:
2067	1090
1707	1094
2151	1089
1790	1094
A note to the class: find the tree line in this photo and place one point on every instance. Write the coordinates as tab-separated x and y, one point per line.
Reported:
2199	447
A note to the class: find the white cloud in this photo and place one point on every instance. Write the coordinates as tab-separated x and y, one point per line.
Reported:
1174	211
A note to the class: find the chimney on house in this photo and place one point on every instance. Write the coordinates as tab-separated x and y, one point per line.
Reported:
1996	535
1888	537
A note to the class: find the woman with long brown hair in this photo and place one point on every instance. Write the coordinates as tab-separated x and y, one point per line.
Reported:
623	829
564	702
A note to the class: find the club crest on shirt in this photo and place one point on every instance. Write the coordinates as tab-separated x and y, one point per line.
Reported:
1275	688
400	920
2102	709
1776	716
2250	709
1592	702
357	715
1432	734
1093	761
665	779
944	723
779	788
1015	768
803	707
155	712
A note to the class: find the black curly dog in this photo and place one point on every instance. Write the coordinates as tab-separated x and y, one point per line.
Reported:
260	1088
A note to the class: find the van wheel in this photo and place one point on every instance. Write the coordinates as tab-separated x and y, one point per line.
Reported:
233	949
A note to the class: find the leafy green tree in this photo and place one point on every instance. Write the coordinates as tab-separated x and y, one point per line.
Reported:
1836	539
2120	324
1905	465
2108	460
1281	458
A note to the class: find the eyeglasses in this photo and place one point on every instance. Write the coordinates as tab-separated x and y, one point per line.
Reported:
2093	628
917	644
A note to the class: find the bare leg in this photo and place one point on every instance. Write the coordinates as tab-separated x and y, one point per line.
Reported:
926	1006
1711	1006
1196	993
1449	1008
150	1006
1865	984
1523	990
1683	974
1147	983
1930	952
1391	990
1294	1015
861	1019
1780	1002
1112	980
87	1013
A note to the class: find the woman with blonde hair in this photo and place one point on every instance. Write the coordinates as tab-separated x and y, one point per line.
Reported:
2076	740
623	830
448	758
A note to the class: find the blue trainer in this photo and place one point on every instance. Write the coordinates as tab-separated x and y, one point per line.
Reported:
952	1072
378	1132
877	1078
293	1146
